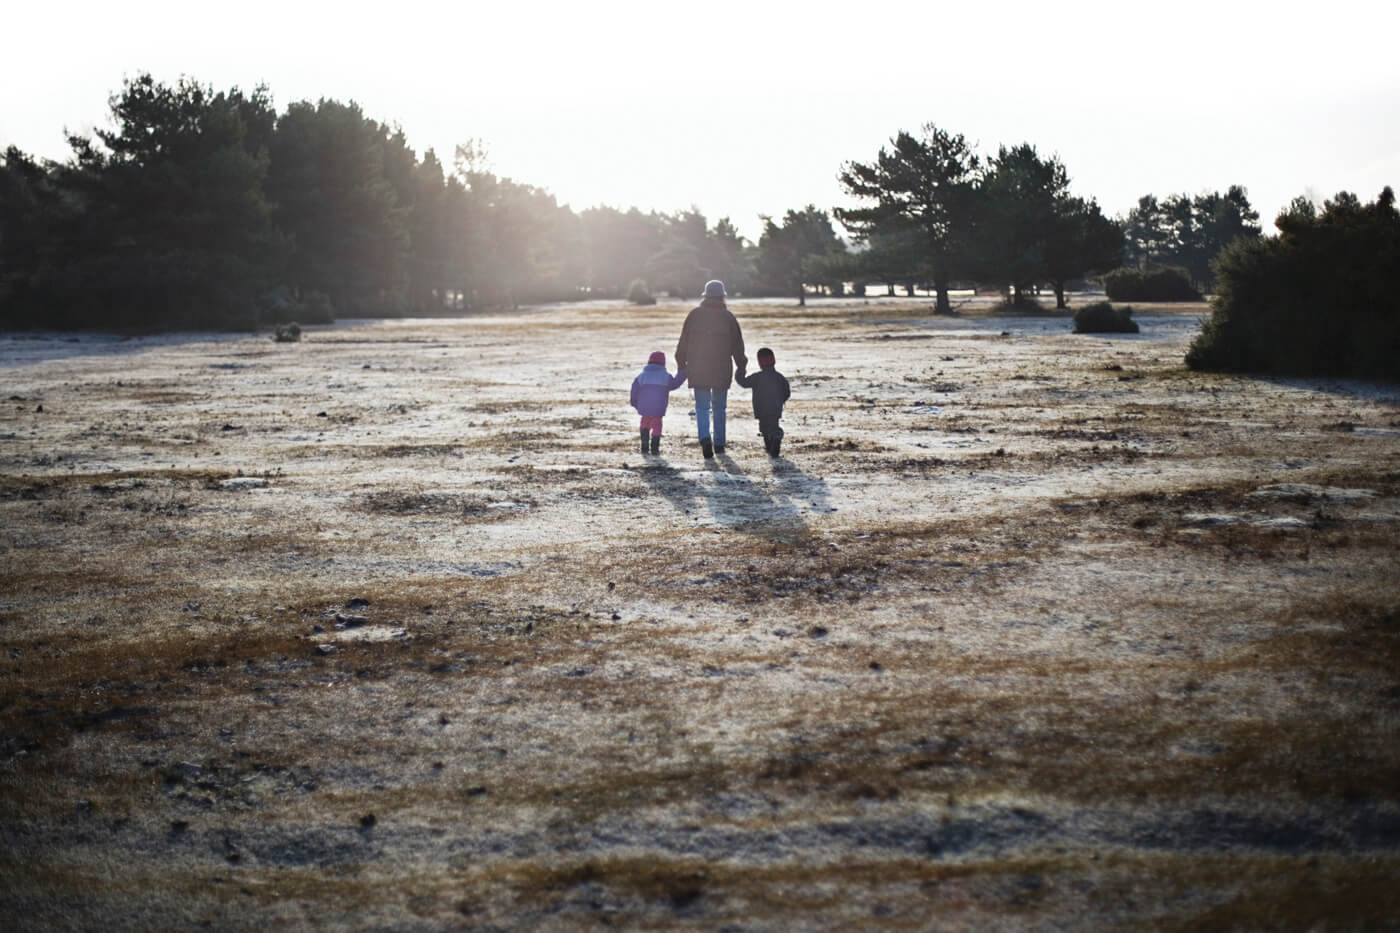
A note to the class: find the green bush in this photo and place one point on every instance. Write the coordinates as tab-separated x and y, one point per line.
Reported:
1102	318
639	294
1166	284
1317	300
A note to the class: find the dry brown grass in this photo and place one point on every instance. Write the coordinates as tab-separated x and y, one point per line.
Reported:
416	645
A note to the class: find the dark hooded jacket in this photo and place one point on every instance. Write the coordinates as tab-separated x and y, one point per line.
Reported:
770	391
711	345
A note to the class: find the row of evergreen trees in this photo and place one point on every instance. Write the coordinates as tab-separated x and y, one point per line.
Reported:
1188	233
935	211
205	209
209	209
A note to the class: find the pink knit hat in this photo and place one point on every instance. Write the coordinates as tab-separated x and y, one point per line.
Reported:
657	357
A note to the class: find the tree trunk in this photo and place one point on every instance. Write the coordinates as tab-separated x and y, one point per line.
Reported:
942	305
1060	296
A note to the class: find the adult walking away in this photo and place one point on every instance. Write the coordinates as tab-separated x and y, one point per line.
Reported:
710	348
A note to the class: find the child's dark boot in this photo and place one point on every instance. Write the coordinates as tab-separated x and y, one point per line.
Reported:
646	435
656	443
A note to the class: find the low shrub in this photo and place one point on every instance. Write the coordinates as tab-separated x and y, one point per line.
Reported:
639	294
288	333
1166	284
1317	300
1027	306
1102	318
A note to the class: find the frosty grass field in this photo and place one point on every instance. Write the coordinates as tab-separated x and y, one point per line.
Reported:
394	628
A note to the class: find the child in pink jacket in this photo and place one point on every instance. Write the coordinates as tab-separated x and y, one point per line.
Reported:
651	392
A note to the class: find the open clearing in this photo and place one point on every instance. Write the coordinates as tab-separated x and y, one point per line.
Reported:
394	628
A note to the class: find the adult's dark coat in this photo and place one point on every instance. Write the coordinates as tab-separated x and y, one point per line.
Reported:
710	340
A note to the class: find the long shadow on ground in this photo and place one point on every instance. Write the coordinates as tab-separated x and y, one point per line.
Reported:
735	499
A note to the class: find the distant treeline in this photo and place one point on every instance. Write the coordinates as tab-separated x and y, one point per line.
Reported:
205	209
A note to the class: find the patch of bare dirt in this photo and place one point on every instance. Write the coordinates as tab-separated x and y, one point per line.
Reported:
394	628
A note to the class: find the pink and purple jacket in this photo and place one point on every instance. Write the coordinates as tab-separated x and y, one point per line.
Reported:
651	390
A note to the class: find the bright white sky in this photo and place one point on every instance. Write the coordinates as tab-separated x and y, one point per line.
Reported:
749	108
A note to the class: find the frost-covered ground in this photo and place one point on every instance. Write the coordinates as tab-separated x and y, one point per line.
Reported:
396	628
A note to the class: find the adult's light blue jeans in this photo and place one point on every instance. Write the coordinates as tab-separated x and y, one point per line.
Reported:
707	400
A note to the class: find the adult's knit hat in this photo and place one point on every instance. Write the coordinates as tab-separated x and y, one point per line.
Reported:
714	288
657	357
765	357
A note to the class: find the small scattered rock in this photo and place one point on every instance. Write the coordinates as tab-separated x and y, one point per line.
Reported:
357	603
368	820
343	621
327	649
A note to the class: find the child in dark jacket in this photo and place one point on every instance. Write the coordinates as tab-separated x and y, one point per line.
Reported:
770	391
651	391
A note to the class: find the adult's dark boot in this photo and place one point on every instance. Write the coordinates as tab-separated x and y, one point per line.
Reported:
774	446
646	435
707	448
656	443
